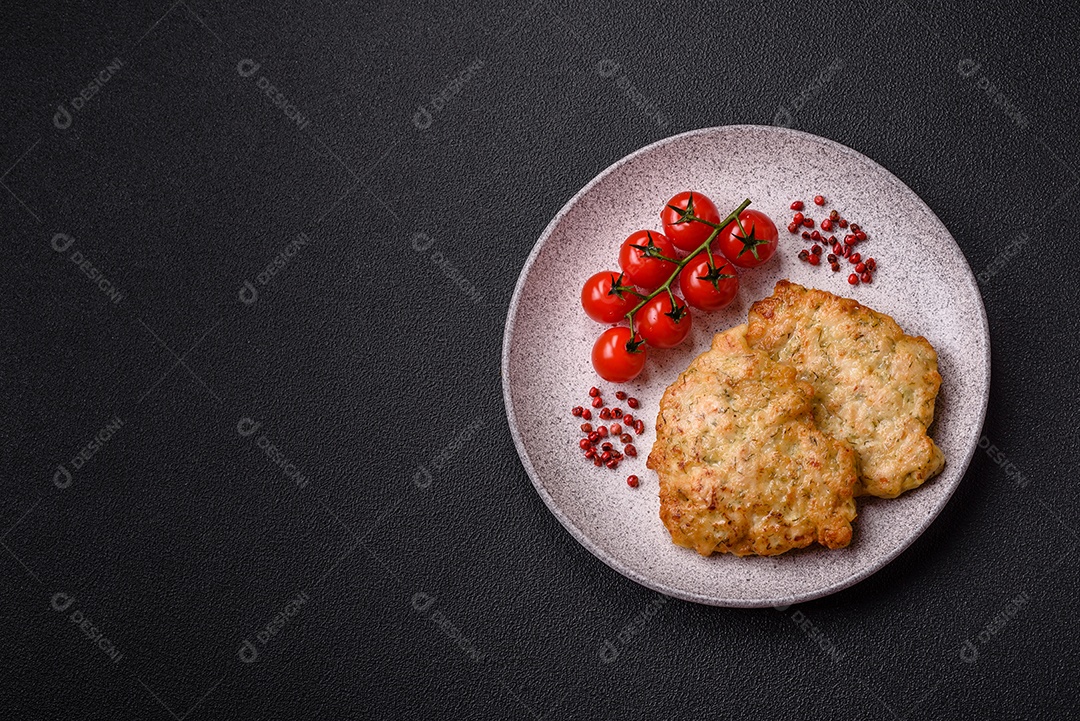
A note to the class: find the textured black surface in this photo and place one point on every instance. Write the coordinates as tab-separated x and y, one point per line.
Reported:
180	179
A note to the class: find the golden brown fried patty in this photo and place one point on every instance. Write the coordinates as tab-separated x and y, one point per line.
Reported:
874	386
742	468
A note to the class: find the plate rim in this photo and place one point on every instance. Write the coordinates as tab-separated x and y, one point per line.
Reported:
583	538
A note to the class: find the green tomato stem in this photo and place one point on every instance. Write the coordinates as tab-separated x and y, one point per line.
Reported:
666	287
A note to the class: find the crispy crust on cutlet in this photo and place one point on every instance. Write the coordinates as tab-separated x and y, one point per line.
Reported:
874	386
742	467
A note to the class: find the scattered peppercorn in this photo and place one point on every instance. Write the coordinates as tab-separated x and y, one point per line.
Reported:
863	270
606	454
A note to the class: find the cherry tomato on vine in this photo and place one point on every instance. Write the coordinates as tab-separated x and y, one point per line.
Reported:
661	324
753	248
688	235
640	269
602	300
705	288
616	358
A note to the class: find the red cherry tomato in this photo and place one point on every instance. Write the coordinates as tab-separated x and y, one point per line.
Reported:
688	235
641	270
754	248
660	325
617	359
602	302
706	289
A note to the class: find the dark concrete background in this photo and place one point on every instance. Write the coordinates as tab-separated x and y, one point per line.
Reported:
242	536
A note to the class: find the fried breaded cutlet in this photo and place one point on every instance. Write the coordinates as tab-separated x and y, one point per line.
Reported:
742	468
874	387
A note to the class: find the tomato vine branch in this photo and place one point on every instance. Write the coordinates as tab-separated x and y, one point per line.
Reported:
689	217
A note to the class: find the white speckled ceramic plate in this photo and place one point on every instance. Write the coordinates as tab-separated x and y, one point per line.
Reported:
923	281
